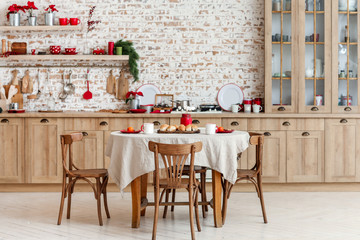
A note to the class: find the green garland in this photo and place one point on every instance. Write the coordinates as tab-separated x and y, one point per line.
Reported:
128	49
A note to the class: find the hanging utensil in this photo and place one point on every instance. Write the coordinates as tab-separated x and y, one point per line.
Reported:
38	81
69	87
63	94
87	95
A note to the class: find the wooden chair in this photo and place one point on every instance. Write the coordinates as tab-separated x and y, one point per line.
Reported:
174	157
202	188
71	174
253	175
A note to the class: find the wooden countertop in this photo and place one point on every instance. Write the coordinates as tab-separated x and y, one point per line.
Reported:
71	114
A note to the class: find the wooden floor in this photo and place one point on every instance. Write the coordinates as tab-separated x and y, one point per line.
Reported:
291	215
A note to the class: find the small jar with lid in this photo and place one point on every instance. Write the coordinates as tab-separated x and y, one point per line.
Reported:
186	119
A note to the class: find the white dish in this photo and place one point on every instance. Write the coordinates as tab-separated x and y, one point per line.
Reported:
229	94
149	91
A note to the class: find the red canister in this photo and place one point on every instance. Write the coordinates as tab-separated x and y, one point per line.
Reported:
186	119
111	48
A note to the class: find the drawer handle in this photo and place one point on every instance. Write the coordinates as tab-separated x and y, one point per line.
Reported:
343	121
85	134
267	134
196	121
104	123
44	120
314	109
347	109
286	124
156	123
4	120
234	124
281	109
305	134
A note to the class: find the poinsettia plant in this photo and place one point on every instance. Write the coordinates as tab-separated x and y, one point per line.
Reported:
132	95
15	9
30	7
51	9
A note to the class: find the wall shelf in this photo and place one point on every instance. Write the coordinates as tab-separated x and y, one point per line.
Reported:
40	28
78	57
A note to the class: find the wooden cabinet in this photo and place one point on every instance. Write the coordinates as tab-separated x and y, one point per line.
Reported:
43	162
342	150
11	150
199	121
305	156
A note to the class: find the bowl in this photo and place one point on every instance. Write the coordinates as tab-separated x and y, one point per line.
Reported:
55	49
70	50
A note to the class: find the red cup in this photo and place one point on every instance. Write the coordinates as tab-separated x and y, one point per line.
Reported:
257	101
74	21
63	21
247	101
33	51
70	50
55	49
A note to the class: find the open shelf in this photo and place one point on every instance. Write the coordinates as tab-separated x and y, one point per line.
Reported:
312	12
41	28
66	57
281	12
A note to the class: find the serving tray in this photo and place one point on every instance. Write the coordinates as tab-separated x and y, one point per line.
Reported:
179	132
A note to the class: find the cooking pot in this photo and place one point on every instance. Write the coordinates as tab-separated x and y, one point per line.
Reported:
148	108
183	104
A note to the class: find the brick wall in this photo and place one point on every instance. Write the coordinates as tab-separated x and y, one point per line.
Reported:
187	48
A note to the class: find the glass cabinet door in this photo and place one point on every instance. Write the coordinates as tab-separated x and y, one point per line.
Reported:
314	56
280	51
345	56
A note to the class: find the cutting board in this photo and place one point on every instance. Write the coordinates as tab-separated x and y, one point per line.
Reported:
111	83
19	47
17	98
122	86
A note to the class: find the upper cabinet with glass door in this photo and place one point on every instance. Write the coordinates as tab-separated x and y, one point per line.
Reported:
345	53
280	51
314	56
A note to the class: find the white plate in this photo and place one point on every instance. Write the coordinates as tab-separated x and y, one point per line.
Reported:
229	94
149	91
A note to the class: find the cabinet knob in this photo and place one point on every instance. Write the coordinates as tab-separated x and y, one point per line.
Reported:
85	134
104	123
343	121
234	124
305	134
286	124
196	121
281	109
267	134
347	109
156	123
314	109
44	120
4	120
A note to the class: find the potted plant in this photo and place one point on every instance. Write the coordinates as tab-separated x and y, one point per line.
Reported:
50	15
31	18
133	98
13	14
128	49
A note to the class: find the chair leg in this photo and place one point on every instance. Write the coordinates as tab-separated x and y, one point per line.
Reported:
197	210
191	212
225	199
98	198
69	198
166	200
203	193
259	182
63	195
105	182
156	213
173	199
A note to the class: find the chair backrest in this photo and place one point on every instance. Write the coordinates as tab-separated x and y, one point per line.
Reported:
257	139
66	146
174	157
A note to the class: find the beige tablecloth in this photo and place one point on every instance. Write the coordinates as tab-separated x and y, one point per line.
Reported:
131	158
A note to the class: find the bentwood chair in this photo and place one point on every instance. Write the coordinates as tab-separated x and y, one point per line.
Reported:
253	175
71	174
174	157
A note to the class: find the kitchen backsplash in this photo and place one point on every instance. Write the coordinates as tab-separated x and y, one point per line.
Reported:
187	48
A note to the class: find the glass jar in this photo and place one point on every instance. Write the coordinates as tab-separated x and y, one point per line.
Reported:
186	119
276	5
288	5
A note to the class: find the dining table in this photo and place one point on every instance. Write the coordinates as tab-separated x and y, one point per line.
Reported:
131	161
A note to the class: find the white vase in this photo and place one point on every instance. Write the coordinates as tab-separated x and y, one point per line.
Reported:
32	21
49	18
14	19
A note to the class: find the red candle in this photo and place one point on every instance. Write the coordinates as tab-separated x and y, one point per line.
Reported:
111	48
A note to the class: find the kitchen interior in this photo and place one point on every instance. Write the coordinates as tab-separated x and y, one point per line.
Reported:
284	69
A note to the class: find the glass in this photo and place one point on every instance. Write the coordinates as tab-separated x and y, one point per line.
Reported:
276	92
287	5
276	60
286	92
353	28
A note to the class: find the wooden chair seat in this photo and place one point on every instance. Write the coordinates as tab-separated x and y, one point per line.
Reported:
90	172
185	182
245	173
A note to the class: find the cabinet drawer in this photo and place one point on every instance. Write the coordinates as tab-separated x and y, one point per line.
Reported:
285	124
157	121
198	121
234	123
86	124
116	124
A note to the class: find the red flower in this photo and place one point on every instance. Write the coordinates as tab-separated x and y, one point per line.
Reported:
15	9
51	8
131	93
140	94
30	5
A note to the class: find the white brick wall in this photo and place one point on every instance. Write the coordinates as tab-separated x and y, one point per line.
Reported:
187	48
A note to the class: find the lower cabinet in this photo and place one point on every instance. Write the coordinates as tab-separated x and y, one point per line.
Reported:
305	156
43	151
11	150
342	144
